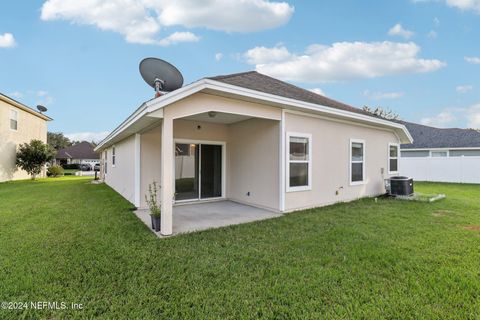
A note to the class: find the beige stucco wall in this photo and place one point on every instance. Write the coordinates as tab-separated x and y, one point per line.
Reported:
202	102
150	146
253	162
331	161
252	154
121	177
29	127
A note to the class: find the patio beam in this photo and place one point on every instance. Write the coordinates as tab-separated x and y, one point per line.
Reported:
166	228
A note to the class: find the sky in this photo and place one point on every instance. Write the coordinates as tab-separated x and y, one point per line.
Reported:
419	58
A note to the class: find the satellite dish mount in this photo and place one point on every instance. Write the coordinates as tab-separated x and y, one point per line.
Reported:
159	84
160	75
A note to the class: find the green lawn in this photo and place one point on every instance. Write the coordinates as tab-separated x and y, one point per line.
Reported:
68	240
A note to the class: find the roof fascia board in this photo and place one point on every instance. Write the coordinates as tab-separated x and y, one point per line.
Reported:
212	84
151	106
23	107
160	102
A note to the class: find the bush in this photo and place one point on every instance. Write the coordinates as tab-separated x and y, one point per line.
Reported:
32	156
55	171
71	166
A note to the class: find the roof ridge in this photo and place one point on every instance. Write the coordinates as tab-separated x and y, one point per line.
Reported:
231	75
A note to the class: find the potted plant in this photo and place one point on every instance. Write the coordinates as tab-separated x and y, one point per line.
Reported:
155	210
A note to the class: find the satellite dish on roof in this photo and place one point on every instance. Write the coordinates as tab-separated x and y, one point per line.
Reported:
42	108
160	75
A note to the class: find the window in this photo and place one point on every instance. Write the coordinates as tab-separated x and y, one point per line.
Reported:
357	161
299	161
13	119
392	158
439	154
113	157
105	162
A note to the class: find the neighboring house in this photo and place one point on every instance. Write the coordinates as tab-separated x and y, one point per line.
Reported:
251	139
80	153
446	155
19	124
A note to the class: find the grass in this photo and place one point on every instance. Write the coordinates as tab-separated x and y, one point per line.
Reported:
68	240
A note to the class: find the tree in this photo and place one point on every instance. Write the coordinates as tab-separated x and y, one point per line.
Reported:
382	113
32	156
58	141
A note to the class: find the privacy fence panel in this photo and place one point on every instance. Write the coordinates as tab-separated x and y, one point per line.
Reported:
448	169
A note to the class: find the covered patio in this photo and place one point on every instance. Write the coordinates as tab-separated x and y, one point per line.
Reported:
208	215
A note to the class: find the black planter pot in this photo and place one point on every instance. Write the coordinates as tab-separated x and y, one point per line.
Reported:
155	223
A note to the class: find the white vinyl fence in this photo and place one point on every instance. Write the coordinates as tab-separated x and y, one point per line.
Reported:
447	169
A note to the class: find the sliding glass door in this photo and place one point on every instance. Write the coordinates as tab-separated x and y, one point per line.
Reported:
198	171
186	171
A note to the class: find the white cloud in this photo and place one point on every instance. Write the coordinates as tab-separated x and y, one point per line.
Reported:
464	88
318	91
177	37
432	34
261	55
473	116
382	95
140	21
447	117
34	96
87	136
473	5
473	60
398	30
218	56
441	120
466	5
436	21
341	61
7	40
16	94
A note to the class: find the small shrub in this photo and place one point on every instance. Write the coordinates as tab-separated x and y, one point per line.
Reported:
54	171
152	200
71	166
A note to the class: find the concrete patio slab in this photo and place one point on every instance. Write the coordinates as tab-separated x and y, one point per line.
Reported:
208	215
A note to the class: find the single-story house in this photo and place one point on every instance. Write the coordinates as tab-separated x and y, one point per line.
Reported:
80	153
441	154
19	124
251	139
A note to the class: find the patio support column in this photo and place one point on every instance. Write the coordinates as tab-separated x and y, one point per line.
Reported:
167	176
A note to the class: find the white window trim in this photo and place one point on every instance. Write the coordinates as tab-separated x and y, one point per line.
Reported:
439	150
10	118
114	156
356	183
288	161
391	158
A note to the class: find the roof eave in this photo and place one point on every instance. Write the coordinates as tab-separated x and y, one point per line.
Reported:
23	107
162	101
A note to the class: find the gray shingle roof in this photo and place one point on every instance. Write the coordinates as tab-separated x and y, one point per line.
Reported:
429	137
260	82
82	150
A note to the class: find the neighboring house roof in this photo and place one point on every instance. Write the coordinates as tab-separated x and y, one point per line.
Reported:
252	86
426	137
82	150
23	107
260	82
